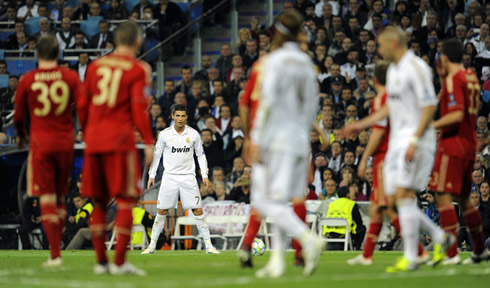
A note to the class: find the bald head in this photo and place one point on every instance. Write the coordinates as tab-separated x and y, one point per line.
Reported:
392	43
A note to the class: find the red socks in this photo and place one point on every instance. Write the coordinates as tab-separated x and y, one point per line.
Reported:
372	238
300	210
252	230
124	224
472	218
396	225
97	230
449	222
51	226
61	209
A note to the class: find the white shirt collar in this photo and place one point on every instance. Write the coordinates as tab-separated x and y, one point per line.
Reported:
177	133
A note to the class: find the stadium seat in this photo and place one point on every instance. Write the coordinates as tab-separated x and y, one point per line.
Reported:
4	81
19	67
90	27
337	222
4	35
74	3
230	221
185	220
136	228
32	25
131	3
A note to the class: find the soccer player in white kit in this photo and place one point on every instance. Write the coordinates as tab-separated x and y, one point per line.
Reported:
280	142
408	164
178	145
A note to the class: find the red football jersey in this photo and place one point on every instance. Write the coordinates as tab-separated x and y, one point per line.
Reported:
460	92
251	95
378	103
48	96
116	104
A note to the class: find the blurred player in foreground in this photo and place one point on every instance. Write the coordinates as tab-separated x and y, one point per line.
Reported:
47	94
409	160
178	144
280	142
377	147
116	103
451	177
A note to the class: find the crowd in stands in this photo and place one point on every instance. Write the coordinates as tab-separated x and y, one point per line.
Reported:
341	40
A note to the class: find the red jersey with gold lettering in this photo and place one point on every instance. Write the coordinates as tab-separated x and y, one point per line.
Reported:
116	103
251	95
384	124
48	96
460	93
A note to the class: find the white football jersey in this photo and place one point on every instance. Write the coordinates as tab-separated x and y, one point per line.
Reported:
410	89
178	153
288	102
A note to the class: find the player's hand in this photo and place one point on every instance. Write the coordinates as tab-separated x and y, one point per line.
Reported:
350	130
206	182
151	181
361	170
21	142
149	154
246	153
410	155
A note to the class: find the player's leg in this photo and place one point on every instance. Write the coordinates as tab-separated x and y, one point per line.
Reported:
276	265
300	210
472	218
94	186
252	229
191	199
450	224
65	166
167	198
43	172
122	184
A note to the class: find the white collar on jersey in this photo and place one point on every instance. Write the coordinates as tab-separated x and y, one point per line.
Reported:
183	132
291	45
409	54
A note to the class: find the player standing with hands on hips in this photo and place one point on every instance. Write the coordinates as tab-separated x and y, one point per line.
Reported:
178	145
280	142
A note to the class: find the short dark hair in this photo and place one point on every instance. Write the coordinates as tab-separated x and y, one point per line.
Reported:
48	48
169	80
178	107
185	67
206	130
127	33
453	49
380	72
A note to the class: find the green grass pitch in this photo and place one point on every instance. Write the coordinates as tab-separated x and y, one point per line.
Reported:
168	269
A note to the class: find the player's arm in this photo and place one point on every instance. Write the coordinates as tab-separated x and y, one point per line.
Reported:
157	155
456	110
373	143
324	140
81	100
367	122
244	105
201	159
20	113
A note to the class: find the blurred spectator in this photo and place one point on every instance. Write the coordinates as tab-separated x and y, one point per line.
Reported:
3	67
477	177
479	41
233	155
169	16
78	221
220	191
320	162
45	29
116	11
166	99
155	111
186	83
224	62
236	62
28	10
234	128
66	35
333	4
251	54
224	121
82	65
140	7
241	190
264	40
68	12
56	13
82	11
335	161
324	20
42	10
211	124
236	170
99	40
7	94
202	75
355	193
213	147
233	89
79	136
9	16
95	10
32	221
482	125
329	191
11	42
243	36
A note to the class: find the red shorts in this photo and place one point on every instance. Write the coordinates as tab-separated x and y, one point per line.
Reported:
107	175
451	174
48	172
378	196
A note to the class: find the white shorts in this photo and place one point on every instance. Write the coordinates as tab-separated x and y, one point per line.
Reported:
174	185
398	173
281	177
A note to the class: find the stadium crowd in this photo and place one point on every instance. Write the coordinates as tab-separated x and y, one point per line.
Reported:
341	40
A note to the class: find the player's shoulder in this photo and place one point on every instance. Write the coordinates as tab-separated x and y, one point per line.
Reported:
166	131
191	130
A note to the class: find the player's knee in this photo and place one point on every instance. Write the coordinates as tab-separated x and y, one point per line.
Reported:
162	212
197	211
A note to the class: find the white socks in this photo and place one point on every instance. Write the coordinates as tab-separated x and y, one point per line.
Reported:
203	228
282	216
408	213
157	229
